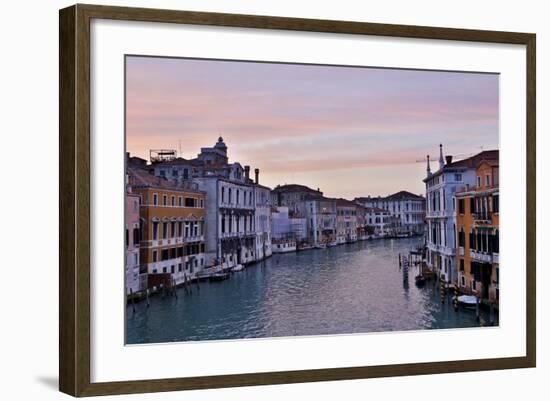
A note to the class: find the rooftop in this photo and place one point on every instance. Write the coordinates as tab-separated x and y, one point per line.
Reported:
296	188
470	162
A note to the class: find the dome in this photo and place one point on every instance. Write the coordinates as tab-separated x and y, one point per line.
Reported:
220	143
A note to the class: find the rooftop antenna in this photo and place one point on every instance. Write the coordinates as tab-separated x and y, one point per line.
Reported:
179	147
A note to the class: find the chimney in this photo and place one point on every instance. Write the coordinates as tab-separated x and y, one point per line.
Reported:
257	173
247	172
448	159
441	161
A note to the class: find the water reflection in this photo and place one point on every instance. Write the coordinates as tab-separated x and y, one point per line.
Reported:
352	288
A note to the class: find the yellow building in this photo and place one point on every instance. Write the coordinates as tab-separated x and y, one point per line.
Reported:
477	233
172	225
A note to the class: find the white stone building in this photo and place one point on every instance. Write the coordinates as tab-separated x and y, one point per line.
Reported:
379	220
410	210
262	215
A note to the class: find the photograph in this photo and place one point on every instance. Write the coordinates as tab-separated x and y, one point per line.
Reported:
268	199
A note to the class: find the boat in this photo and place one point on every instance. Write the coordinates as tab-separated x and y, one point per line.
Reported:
420	280
283	246
238	268
320	246
219	276
468	301
304	247
332	244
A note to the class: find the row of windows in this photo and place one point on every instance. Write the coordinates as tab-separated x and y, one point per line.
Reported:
178	229
482	205
487	180
181	201
247	197
175	173
189	266
179	252
482	241
227	223
346	212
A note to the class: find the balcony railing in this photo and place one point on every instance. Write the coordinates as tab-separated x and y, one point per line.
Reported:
483	218
484	256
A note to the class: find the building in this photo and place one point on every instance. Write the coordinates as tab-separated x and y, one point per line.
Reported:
294	196
477	233
321	220
362	226
231	235
441	186
346	221
172	226
288	230
132	240
379	221
410	210
230	225
263	223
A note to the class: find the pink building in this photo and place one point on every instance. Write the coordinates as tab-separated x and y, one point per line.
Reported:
132	235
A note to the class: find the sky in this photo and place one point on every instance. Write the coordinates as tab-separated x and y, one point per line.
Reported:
349	131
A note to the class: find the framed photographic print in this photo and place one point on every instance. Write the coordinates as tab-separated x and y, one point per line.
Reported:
250	200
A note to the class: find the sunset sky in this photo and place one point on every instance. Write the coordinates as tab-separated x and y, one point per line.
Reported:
346	130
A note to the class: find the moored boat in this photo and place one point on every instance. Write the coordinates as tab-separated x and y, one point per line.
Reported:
219	276
238	268
468	301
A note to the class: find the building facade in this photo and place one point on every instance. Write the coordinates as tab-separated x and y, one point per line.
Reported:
321	220
132	240
230	225
441	187
408	208
362	226
477	233
294	196
230	206
172	226
263	223
379	221
346	221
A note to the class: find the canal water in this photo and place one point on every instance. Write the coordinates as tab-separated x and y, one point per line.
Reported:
352	288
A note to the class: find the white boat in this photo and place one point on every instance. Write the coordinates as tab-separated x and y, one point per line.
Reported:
467	300
238	268
332	244
284	246
320	246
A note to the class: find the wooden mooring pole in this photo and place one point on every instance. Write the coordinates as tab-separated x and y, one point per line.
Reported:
133	301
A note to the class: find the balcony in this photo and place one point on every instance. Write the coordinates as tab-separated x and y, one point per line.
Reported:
483	218
484	257
461	251
194	238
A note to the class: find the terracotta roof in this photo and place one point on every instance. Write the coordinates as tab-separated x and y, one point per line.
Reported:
142	178
492	163
396	196
403	195
345	203
470	162
295	188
